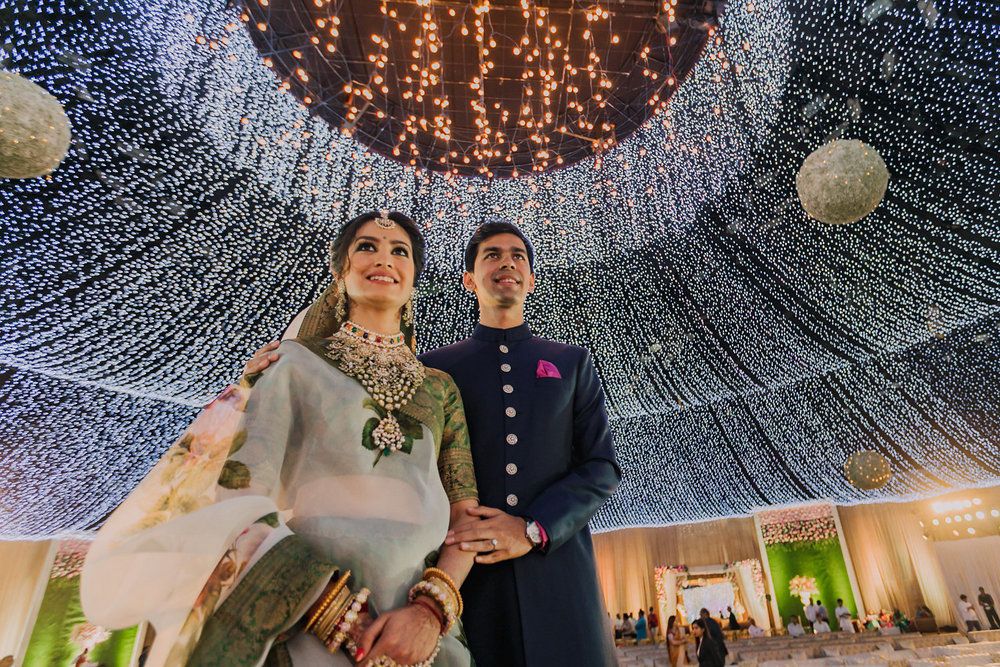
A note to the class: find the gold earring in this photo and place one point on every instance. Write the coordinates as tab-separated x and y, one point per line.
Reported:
341	310
408	313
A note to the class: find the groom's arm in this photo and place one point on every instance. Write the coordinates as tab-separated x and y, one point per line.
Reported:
566	506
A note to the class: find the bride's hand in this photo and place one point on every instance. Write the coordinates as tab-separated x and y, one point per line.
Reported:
408	635
262	358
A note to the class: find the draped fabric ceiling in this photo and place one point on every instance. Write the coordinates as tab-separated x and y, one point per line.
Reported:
746	350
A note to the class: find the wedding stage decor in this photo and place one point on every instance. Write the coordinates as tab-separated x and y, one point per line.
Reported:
684	591
806	559
56	630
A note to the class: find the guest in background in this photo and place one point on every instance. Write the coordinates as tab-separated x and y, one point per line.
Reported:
968	614
640	628
715	631
706	649
821	626
734	624
811	612
676	643
618	627
821	612
843	615
986	602
754	629
654	625
794	627
628	628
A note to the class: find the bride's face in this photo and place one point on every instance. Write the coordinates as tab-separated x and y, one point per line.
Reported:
379	269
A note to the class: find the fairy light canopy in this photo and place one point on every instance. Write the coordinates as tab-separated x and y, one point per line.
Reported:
747	350
497	89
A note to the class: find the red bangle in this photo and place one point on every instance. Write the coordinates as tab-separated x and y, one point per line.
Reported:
431	607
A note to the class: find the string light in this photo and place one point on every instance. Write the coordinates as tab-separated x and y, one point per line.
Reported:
746	350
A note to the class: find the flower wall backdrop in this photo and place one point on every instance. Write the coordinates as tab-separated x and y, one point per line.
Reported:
746	349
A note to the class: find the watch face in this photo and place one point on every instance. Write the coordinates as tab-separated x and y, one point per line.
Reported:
534	534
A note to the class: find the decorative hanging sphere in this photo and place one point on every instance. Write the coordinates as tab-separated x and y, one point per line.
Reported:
482	88
842	182
34	129
867	470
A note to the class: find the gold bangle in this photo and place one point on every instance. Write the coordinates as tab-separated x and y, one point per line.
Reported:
340	584
327	624
440	574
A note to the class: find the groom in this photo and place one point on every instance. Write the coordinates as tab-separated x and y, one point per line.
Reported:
544	464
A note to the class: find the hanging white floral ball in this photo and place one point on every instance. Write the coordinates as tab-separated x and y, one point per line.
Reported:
842	182
867	470
34	129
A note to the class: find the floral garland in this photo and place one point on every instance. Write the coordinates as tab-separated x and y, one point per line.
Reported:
69	559
659	571
801	530
758	575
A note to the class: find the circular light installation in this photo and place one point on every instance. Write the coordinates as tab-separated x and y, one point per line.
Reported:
34	129
842	182
481	88
867	470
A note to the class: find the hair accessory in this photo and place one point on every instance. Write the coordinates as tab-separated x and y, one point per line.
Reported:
383	220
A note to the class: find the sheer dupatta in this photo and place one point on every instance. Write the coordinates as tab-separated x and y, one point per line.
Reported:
176	549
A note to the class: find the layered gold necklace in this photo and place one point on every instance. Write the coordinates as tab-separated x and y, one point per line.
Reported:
387	369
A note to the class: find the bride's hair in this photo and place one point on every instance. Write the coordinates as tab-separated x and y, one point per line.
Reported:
341	245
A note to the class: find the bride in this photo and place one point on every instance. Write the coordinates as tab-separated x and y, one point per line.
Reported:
301	518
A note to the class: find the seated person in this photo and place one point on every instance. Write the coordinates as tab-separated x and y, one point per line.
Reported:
754	629
900	620
821	626
795	628
734	623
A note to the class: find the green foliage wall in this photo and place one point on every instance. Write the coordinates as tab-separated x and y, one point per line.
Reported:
823	560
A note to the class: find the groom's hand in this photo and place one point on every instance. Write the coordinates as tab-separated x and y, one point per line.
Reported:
262	358
498	537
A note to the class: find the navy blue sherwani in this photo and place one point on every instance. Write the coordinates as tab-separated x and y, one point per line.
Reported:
542	449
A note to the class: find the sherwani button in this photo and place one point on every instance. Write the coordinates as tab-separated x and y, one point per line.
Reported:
508	389
510	412
504	349
511	468
512	500
505	368
511	439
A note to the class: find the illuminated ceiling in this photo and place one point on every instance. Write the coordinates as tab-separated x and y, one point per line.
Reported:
746	350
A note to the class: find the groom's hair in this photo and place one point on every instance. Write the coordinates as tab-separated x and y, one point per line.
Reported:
494	228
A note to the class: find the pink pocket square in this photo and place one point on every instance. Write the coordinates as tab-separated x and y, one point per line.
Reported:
547	369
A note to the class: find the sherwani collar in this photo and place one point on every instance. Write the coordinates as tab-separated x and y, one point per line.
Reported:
492	335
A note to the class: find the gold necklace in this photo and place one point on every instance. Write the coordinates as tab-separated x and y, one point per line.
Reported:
387	370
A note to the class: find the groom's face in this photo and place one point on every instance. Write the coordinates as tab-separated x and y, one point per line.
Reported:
501	276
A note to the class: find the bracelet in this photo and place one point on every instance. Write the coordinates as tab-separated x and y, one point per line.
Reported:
338	586
438	573
385	661
436	594
357	606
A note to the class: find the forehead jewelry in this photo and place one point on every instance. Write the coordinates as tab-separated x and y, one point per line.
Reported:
384	221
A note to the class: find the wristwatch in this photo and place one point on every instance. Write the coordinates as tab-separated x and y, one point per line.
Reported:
534	534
